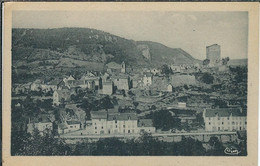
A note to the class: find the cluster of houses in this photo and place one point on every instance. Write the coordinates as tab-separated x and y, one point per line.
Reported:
113	122
114	79
102	122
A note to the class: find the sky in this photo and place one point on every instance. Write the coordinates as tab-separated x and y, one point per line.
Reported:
191	31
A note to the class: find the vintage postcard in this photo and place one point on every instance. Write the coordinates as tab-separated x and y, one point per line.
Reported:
130	84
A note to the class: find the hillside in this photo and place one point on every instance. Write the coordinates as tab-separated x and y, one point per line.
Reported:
80	47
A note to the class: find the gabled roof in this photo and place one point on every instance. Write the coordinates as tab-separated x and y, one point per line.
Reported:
148	74
145	123
223	112
89	77
122	116
108	83
98	114
120	76
71	122
41	119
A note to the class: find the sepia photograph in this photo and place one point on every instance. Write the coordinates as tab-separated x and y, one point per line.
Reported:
129	83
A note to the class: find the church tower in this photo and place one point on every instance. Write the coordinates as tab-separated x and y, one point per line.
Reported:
123	67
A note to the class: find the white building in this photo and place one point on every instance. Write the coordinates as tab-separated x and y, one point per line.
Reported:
70	81
147	79
169	88
181	105
60	96
121	82
36	85
224	119
104	122
43	126
108	88
68	126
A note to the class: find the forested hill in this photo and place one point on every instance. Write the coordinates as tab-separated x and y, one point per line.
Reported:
60	46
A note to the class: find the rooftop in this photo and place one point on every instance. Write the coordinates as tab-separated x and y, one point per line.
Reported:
111	115
148	74
224	112
98	114
73	122
122	116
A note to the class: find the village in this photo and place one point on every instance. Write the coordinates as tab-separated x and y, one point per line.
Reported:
124	101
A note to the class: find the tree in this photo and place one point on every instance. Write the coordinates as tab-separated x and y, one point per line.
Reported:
217	147
106	103
206	62
163	120
207	78
166	70
135	104
220	103
225	60
36	144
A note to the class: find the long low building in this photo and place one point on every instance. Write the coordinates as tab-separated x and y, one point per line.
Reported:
224	119
113	122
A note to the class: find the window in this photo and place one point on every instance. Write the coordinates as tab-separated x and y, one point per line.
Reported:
222	122
129	131
71	126
116	126
227	118
209	123
102	127
123	126
95	127
245	122
75	126
233	123
115	121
